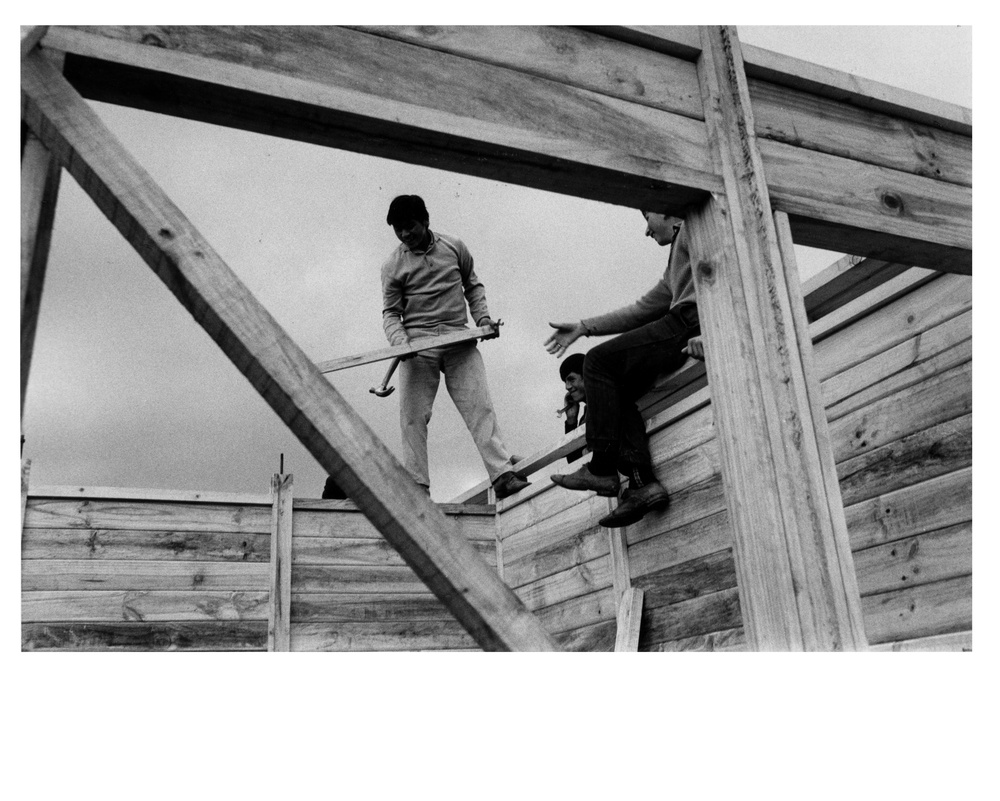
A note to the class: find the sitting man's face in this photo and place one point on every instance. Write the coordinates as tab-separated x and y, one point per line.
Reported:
574	387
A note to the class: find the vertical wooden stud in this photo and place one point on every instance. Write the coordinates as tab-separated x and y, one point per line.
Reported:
796	591
629	618
279	608
25	473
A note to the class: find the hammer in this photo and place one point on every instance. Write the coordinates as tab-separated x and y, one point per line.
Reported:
384	390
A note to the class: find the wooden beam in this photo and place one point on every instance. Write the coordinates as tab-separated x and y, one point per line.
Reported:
25	475
629	619
358	92
279	607
796	580
286	378
621	575
416	346
31	35
40	175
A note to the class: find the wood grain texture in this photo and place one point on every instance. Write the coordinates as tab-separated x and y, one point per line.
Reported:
241	635
956	641
145	606
796	580
71	574
598	637
143	545
700	616
280	564
434	635
925	611
426	343
681	582
579	612
285	377
731	640
582	546
360	607
910	562
579	580
628	620
131	515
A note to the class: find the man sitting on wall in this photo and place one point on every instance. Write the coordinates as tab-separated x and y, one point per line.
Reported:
654	333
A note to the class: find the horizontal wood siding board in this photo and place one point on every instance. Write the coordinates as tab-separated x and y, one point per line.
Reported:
579	580
699	616
151	495
921	559
588	544
956	641
345	551
76	574
368	94
242	635
855	277
925	611
359	607
944	397
464	510
676	545
932	452
352	524
380	636
558	528
597	637
930	505
147	606
355	579
733	640
583	610
131	544
554	504
130	514
701	576
905	364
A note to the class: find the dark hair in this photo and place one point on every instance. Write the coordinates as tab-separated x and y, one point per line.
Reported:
571	364
405	208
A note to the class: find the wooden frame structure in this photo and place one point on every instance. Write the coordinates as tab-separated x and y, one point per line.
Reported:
756	150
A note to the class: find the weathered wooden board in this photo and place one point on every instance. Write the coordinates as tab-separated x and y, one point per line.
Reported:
558	528
692	579
136	516
899	367
343	551
549	508
922	559
359	92
935	451
580	611
582	546
715	612
579	580
957	641
679	544
924	611
433	635
241	635
848	278
359	607
628	620
941	398
728	640
930	505
377	579
280	564
598	637
105	606
143	544
416	346
73	574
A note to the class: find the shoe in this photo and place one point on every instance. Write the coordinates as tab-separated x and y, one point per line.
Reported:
635	504
583	479
509	483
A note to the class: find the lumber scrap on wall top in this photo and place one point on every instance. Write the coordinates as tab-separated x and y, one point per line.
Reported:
277	368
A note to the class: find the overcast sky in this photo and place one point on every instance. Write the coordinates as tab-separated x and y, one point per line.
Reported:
126	390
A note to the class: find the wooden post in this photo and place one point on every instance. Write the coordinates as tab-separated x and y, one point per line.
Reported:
39	188
278	369
25	473
796	578
618	549
629	618
280	605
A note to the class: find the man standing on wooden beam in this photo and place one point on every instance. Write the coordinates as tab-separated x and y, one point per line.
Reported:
426	284
655	336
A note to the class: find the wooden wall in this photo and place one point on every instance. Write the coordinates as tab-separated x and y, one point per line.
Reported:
896	369
139	570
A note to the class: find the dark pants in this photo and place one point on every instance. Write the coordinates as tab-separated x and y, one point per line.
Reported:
617	373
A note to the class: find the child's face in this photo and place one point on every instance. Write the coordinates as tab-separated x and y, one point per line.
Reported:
412	233
574	387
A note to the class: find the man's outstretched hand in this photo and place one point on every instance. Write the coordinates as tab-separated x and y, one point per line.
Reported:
695	348
565	335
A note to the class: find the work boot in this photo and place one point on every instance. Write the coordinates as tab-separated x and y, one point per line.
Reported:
583	479
508	483
635	504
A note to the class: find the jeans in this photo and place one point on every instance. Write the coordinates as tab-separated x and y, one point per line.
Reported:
619	371
465	379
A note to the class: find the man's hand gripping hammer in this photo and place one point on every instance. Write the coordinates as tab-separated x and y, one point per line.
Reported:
385	389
